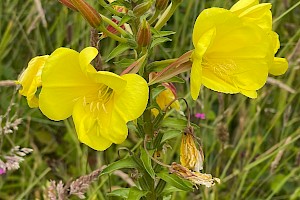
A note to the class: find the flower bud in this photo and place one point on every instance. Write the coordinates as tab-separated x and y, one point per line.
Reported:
161	4
69	4
111	29
140	9
88	12
144	34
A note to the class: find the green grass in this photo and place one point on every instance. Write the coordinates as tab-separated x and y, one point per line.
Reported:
259	130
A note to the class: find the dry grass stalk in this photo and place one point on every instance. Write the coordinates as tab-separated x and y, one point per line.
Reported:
281	85
12	160
57	191
7	83
279	156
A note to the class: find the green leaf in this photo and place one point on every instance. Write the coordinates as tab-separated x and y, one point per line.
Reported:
146	160
177	123
122	192
175	79
156	91
124	19
117	51
296	194
170	189
170	134
124	63
176	181
120	164
136	194
174	123
158	41
161	33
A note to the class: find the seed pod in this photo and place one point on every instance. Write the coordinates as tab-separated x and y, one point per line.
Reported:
88	12
140	9
144	34
161	4
69	4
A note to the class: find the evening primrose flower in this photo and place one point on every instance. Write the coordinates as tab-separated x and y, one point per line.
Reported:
30	80
166	97
231	55
101	103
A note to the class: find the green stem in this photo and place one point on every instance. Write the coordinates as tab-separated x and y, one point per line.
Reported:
286	12
154	17
109	8
166	16
111	35
148	127
113	24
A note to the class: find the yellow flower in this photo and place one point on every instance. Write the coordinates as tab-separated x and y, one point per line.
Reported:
190	156
232	54
30	80
101	103
165	98
253	12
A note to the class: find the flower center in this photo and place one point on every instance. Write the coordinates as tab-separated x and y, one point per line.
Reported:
98	102
220	67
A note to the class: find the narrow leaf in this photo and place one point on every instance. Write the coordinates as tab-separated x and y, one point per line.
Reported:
176	181
120	164
122	192
136	194
158	41
147	162
170	135
117	51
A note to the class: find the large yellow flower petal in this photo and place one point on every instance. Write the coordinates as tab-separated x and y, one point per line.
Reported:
128	105
279	66
88	127
202	26
243	5
108	78
30	79
249	93
196	73
260	15
276	43
132	101
218	82
196	79
63	83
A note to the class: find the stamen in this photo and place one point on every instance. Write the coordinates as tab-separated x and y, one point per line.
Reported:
84	101
91	106
103	106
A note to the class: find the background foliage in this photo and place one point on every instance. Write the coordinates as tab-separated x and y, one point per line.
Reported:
252	145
